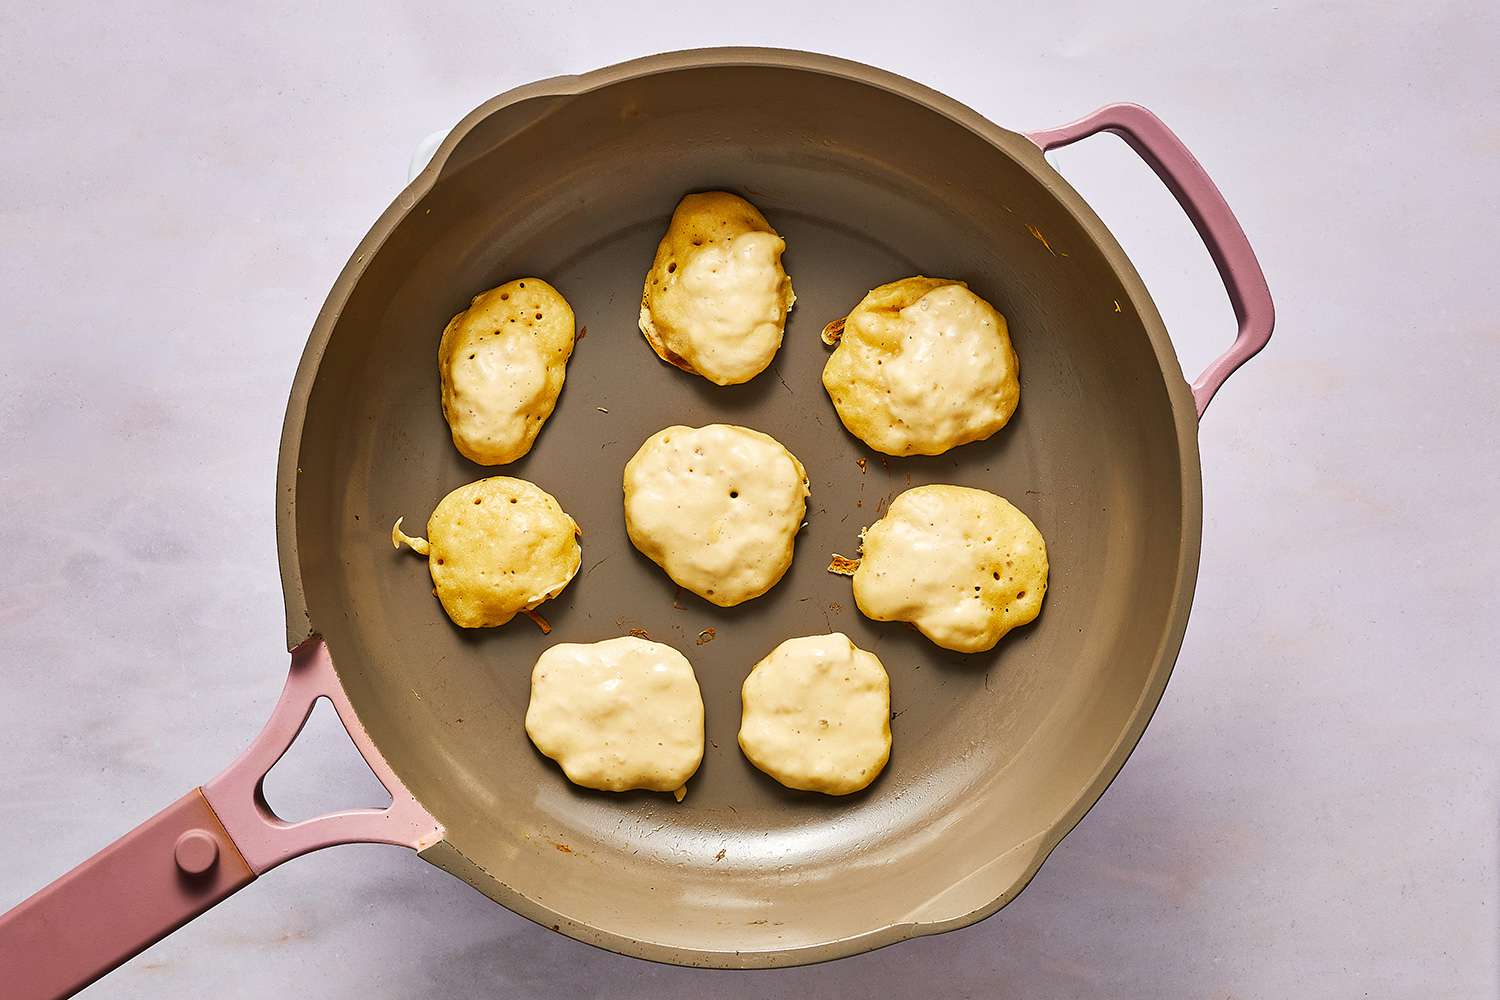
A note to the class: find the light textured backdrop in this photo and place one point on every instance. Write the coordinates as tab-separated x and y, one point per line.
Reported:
1314	810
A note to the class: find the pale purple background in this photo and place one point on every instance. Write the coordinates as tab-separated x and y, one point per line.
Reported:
1313	811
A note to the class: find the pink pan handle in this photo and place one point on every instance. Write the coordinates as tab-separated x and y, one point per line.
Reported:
1195	191
202	849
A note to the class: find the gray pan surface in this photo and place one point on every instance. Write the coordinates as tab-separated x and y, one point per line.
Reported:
869	178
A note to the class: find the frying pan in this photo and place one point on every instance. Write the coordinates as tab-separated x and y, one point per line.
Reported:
997	756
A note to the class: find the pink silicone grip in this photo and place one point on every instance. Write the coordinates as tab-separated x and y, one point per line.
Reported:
1195	191
210	843
119	902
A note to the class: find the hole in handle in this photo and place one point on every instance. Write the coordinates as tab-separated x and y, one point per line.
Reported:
1160	241
237	794
322	772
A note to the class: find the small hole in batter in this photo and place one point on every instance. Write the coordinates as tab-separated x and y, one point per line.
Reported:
504	296
734	494
1020	595
512	499
672	267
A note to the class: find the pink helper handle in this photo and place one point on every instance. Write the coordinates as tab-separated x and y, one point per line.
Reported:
202	849
1196	192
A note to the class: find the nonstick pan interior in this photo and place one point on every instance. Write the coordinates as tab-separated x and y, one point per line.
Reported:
995	755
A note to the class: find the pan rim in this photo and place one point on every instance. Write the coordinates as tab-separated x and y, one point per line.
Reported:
445	855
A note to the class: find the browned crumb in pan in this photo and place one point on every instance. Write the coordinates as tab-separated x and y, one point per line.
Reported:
834	331
843	565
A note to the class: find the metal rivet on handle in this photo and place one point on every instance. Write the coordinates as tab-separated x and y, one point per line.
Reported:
196	852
